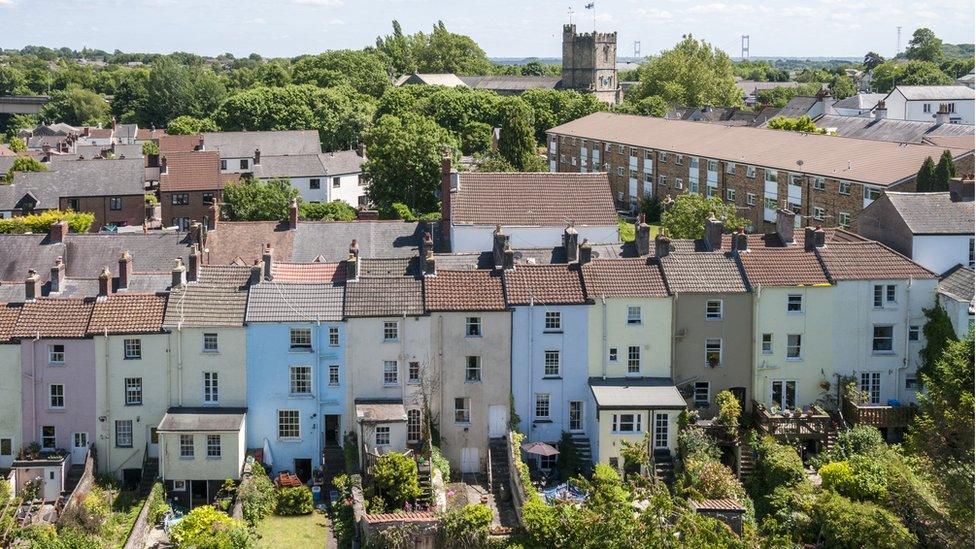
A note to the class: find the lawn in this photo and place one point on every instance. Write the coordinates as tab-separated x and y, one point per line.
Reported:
627	231
305	531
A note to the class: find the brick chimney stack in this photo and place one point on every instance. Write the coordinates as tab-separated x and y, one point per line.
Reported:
447	186
352	264
214	214
740	241
880	111
268	258
57	275
193	273
785	220
57	232
713	233
430	266
104	283
163	165
642	236
571	244
257	157
179	274
293	214
125	270
499	244
942	117
585	252
662	245
32	286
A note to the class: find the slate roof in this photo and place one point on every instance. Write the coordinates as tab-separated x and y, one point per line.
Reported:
151	253
859	101
533	199
379	410
276	302
958	282
384	296
342	162
935	93
126	131
82	178
271	143
218	299
234	276
89	152
516	84
309	273
50	317
309	165
187	419
9	312
635	393
688	269
638	277
128	314
893	130
544	285
798	106
768	262
191	171
868	260
873	162
471	290
933	213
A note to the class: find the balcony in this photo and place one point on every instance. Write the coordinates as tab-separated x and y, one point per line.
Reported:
810	424
877	415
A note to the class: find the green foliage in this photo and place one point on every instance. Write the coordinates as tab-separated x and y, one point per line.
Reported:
404	163
150	148
76	106
802	124
872	60
939	334
475	138
842	86
652	209
552	108
687	216
944	171
843	523
343	521
255	200
92	513
257	497
441	51
399	210
439	462
188	125
781	95
627	231
517	142
777	466
912	73
151	199
173	89
637	453
5	491
729	412
925	180
531	495
157	503
25	164
860	478
337	210
207	528
45	536
17	145
362	70
40	223
395	479
295	500
652	105
693	73
350	451
924	46
467	527
858	440
568	462
493	163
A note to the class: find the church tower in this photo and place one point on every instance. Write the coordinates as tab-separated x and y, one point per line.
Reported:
590	63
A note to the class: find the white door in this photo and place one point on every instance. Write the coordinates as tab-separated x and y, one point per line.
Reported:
497	421
575	415
660	431
469	460
79	447
153	443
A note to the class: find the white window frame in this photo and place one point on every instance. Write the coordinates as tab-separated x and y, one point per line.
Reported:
133	391
187	449
553	321
870	383
767	344
543	403
635	315
391	331
628	423
784	385
472	369
462	410
613	355
730	195
550	358
54	355
289	425
844	187
49	442
334	376
750	199
211	342
819	183
875	339
300	380
711	313
794	347
844	219
382	435
413	372
751	172
472	326
213	447
794	300
132	349
633	359
914	332
211	388
710	344
391	373
300	339
333	336
55	396
123	433
414	426
699	388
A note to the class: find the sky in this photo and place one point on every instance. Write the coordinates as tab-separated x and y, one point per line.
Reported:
503	28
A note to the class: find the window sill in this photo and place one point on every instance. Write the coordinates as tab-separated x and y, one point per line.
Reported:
463	423
391	341
883	353
132	404
132	358
206	352
214	458
552	331
57	410
552	377
306	350
411	382
55	363
123	447
289	440
187	458
767	353
541	421
302	396
390	385
211	404
713	319
334	385
469	336
627	433
472	381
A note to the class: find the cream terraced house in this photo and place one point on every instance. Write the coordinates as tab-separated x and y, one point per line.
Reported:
10	390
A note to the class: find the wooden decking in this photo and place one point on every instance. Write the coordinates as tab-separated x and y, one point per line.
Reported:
815	425
880	416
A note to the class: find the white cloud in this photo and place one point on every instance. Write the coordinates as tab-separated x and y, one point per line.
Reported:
329	3
652	13
6	2
604	17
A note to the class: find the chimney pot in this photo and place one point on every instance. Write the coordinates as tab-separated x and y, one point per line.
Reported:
352	265
293	214
57	275
32	286
104	279
820	237
179	273
430	266
125	270
58	230
662	245
942	117
508	257
163	165
200	145
785	224
268	259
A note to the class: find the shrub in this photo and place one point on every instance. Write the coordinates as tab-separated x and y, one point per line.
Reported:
843	523
157	503
258	499
336	210
776	466
151	199
207	528
475	138
44	536
41	223
860	439
294	501
441	463
25	164
870	482
5	491
837	476
466	527
523	469
150	148
569	462
350	451
729	411
343	520
395	479
712	480
92	513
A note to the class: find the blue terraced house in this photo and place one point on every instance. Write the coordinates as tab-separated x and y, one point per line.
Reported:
296	367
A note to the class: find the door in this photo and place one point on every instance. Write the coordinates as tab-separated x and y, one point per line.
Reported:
740	394
576	415
79	448
660	431
6	452
871	385
332	430
783	394
497	421
153	443
303	469
469	460
198	493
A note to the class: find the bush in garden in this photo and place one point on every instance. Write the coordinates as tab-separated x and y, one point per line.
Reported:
395	479
157	503
207	528
258	499
40	223
466	527
837	476
344	520
776	465
729	411
294	501
844	524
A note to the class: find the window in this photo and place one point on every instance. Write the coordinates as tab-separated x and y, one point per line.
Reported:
73	204
223	164
6	447
180	199
819	213
662	156
713	165
660	430
634	315
796	179
123	433
391	331
472	369
48	438
382	435
562	158
911	382
390	372
913	332
181	222
208	199
115	203
333	337
679	160
844	187
213	446
301	380
844	219
648	155
333	375
730	168
713	309
730	195
713	352
633	359
186	446
783	394
926	107
750	199
572	160
871	194
633	174
133	348
551	364
336	182
613	354
210	343
793	346
413	425
794	303
133	391
413	372
770	176
767	344
301	339
462	410
819	183
244	163
210	393
701	396
289	424
884	294
472	326
547	463
55	354
627	423
890	293
179	486
620	170
662	180
751	172
314	184
542	406
56	393
883	339
871	384
678	183
554	321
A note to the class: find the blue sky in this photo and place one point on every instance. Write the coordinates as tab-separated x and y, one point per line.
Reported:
504	28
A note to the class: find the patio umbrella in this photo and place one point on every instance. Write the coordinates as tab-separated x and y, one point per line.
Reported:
268	459
539	449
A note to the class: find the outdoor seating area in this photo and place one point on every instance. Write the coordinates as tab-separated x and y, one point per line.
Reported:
808	423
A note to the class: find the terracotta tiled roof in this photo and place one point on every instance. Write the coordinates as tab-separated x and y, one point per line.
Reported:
421	516
191	171
384	296
8	318
178	143
638	277
472	290
310	273
544	284
99	133
868	260
724	504
769	263
245	240
47	317
128	314
688	271
534	199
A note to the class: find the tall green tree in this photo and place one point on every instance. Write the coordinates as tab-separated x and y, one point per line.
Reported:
76	106
363	70
924	46
686	217
925	180
25	164
173	89
694	73
397	51
944	171
188	125
444	51
517	142
255	200
872	60
842	86
939	333
913	73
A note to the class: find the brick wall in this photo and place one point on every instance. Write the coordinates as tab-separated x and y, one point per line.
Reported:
196	209
132	212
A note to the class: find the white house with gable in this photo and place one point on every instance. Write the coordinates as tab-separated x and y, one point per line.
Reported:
922	103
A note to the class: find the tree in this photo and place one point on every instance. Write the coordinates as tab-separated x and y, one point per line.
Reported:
150	148
17	145
446	52
687	216
404	162
802	124
11	80
25	164
872	60
76	106
944	426
693	73
396	50
336	210
842	86
924	46
925	180
729	410
362	70
517	142
912	73
395	480
944	171
173	89
188	125
207	528
847	524
255	200
653	105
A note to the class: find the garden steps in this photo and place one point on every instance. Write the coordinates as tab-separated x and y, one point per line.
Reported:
150	471
664	469
746	463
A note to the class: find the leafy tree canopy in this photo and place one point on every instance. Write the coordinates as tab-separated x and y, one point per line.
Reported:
362	70
188	125
802	124
924	46
255	200
694	73
76	106
686	217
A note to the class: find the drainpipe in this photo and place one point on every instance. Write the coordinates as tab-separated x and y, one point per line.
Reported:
603	359
674	326
318	379
440	368
33	347
107	406
755	327
530	412
179	367
403	355
908	318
